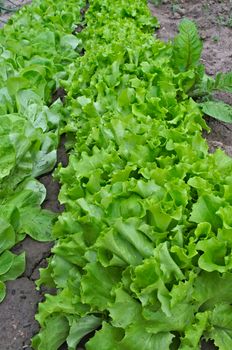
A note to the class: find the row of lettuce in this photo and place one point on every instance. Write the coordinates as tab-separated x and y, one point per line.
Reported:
143	249
35	47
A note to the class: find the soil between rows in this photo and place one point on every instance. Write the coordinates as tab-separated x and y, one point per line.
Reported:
17	324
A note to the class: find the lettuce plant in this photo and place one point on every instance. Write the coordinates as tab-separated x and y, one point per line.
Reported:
35	47
146	232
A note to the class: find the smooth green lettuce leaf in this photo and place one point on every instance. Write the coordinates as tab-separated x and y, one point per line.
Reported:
7	235
16	269
37	223
6	261
2	291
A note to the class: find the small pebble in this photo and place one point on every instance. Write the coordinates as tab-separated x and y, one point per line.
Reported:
176	15
181	11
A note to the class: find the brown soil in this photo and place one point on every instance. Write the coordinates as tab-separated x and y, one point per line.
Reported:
17	324
11	5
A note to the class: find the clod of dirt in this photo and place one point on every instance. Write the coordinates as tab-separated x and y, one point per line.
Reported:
36	252
82	52
59	93
78	29
52	186
62	155
220	136
84	10
14	5
209	345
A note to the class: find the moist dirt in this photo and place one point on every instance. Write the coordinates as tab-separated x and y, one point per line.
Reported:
214	20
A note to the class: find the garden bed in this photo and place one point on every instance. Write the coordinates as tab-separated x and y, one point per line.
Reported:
18	309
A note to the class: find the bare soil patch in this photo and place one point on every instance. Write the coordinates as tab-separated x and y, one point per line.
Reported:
12	5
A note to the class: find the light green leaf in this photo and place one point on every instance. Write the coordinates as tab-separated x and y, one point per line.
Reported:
214	255
14	84
125	310
221	321
16	269
194	332
80	328
136	338
69	40
53	335
6	260
2	291
44	162
37	223
218	110
7	235
223	82
205	293
106	339
7	156
205	209
97	284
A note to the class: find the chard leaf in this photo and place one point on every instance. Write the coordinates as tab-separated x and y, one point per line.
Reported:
187	46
